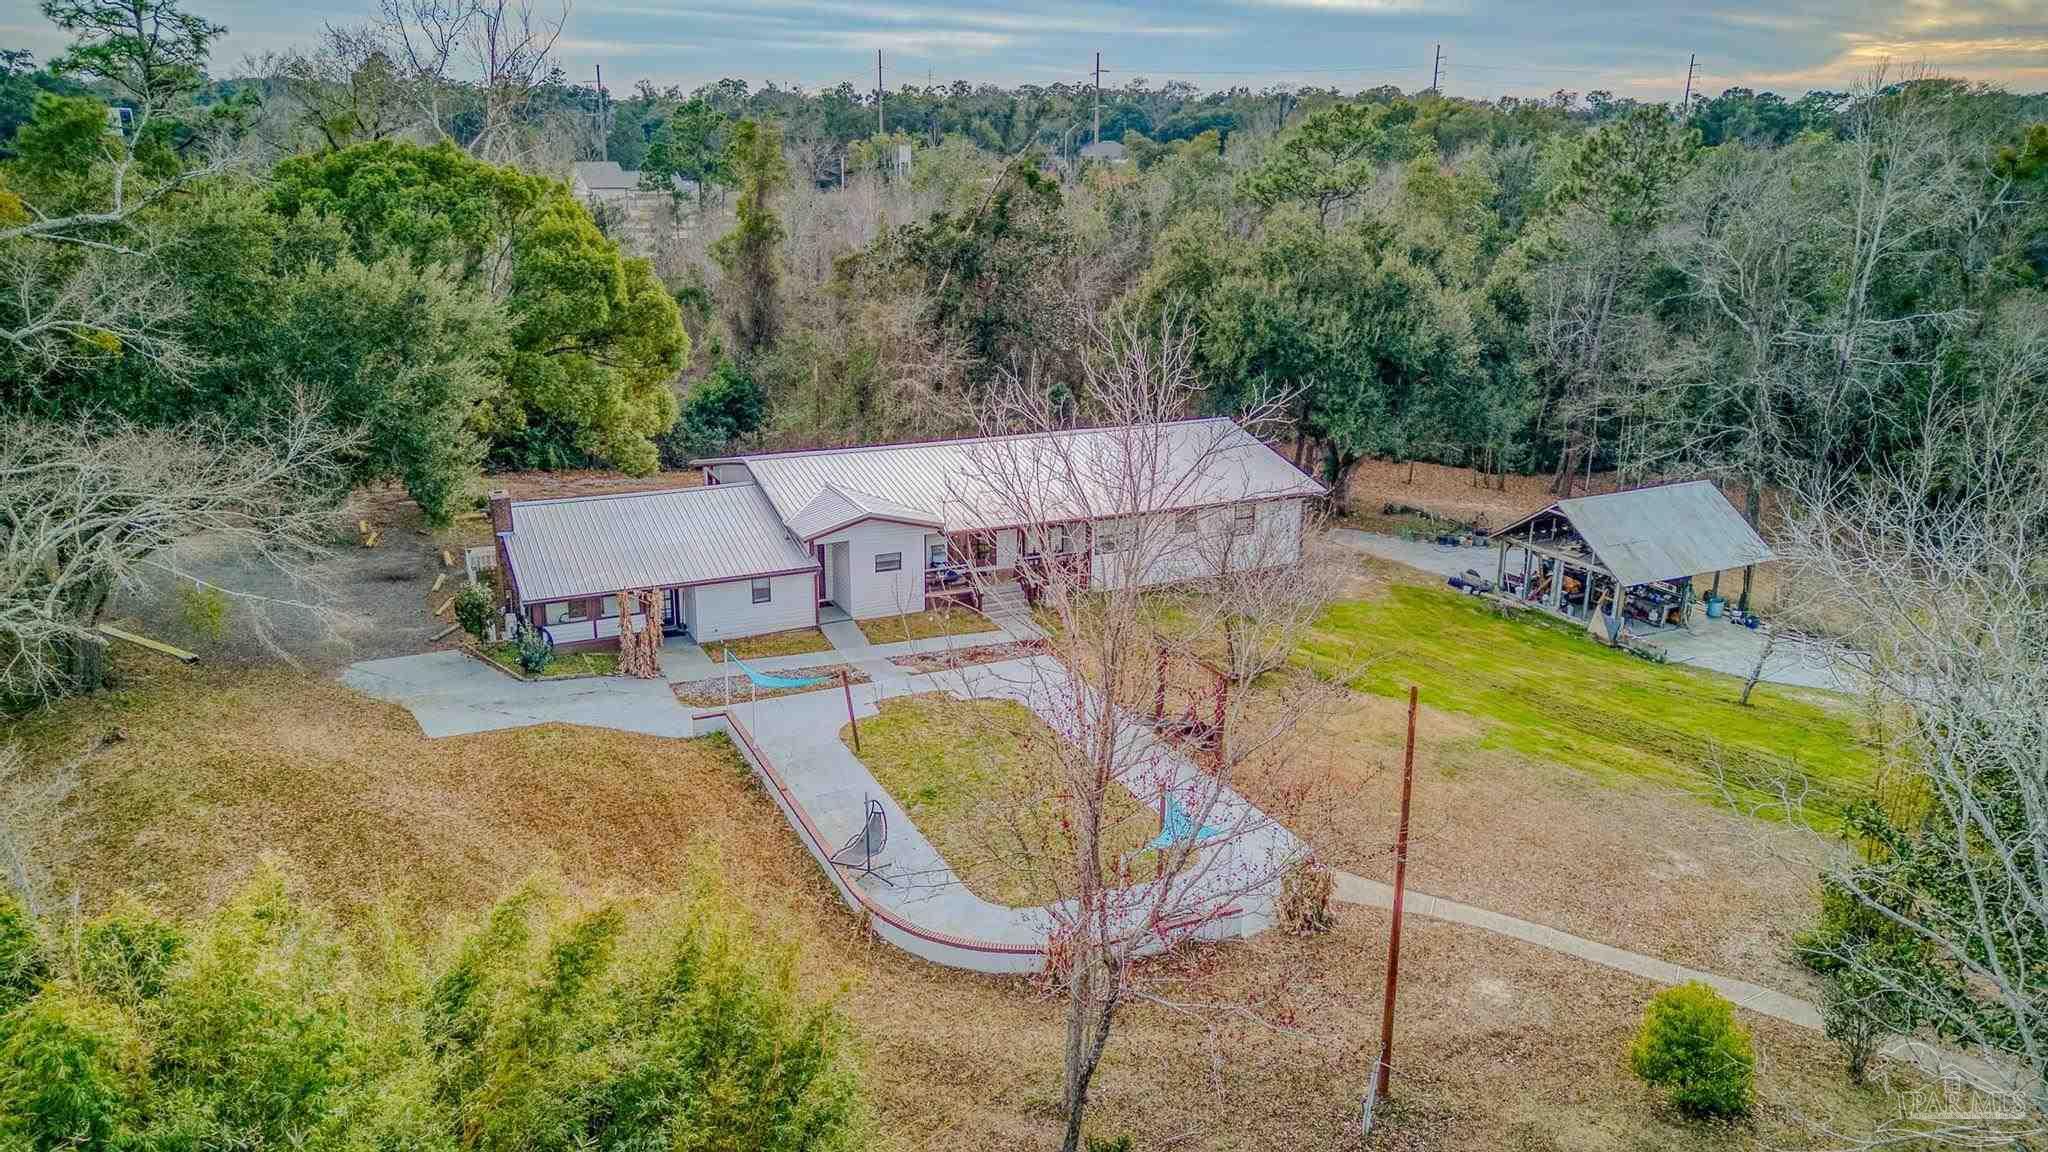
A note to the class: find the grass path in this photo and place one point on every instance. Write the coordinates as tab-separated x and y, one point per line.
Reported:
1547	691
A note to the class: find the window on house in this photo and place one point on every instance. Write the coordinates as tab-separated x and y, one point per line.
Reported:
763	589
1243	519
1187	523
888	561
608	608
1111	537
565	611
935	553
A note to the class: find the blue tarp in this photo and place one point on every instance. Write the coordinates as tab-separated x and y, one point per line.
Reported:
767	680
1178	827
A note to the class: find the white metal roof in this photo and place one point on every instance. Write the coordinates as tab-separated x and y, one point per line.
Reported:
1661	533
837	507
595	545
999	481
605	175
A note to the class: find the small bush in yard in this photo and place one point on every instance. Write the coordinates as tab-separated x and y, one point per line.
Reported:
474	608
1690	1044
536	650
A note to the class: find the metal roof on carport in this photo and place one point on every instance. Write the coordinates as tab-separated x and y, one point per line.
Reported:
1667	532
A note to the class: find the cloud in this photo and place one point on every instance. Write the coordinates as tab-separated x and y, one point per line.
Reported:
1441	6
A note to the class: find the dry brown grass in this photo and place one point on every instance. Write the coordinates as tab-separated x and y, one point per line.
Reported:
1639	866
1501	1045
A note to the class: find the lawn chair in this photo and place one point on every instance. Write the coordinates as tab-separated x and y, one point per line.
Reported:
868	844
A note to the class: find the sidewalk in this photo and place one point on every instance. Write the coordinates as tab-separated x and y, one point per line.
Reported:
1233	882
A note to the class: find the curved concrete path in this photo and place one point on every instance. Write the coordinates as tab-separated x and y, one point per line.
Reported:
1229	887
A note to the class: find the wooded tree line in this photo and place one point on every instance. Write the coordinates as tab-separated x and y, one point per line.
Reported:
1562	285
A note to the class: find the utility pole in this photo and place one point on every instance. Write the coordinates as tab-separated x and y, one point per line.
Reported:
881	128
603	129
1098	97
1385	1065
1436	68
1685	101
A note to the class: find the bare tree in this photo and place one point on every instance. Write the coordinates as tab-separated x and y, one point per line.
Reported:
1935	576
347	90
91	505
489	57
1104	517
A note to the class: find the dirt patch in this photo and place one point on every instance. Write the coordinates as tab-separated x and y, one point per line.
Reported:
967	657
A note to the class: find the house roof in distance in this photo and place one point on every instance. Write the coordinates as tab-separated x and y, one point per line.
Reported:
1664	532
606	176
1001	481
594	545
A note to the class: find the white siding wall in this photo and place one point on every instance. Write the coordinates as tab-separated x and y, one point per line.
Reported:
723	611
1169	556
881	593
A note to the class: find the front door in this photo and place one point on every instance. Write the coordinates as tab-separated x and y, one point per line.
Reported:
838	584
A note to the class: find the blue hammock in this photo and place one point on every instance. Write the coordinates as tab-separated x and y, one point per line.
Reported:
1178	827
766	680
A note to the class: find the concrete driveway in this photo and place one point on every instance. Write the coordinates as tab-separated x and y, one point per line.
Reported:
451	694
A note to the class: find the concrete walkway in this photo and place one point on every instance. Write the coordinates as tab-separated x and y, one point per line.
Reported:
1717	645
451	694
1231	882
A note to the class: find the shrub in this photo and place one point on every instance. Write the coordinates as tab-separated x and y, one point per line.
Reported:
1690	1044
536	649
552	1026
22	963
474	608
68	1073
204	610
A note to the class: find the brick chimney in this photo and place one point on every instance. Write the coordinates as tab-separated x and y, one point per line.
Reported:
501	511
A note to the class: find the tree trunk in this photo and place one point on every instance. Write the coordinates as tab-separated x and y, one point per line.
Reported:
1087	1050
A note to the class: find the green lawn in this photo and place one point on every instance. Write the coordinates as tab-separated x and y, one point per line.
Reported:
978	778
791	643
588	662
1547	691
947	620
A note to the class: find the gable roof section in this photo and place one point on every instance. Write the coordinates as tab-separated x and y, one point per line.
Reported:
837	507
1661	533
606	175
1002	481
596	545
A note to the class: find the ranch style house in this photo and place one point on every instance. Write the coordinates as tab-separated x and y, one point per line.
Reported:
783	540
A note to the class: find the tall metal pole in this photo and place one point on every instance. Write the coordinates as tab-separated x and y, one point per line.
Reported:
1685	101
846	686
1386	1061
1098	98
881	128
1436	67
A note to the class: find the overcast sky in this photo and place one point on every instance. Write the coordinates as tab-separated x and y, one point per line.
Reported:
1490	47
